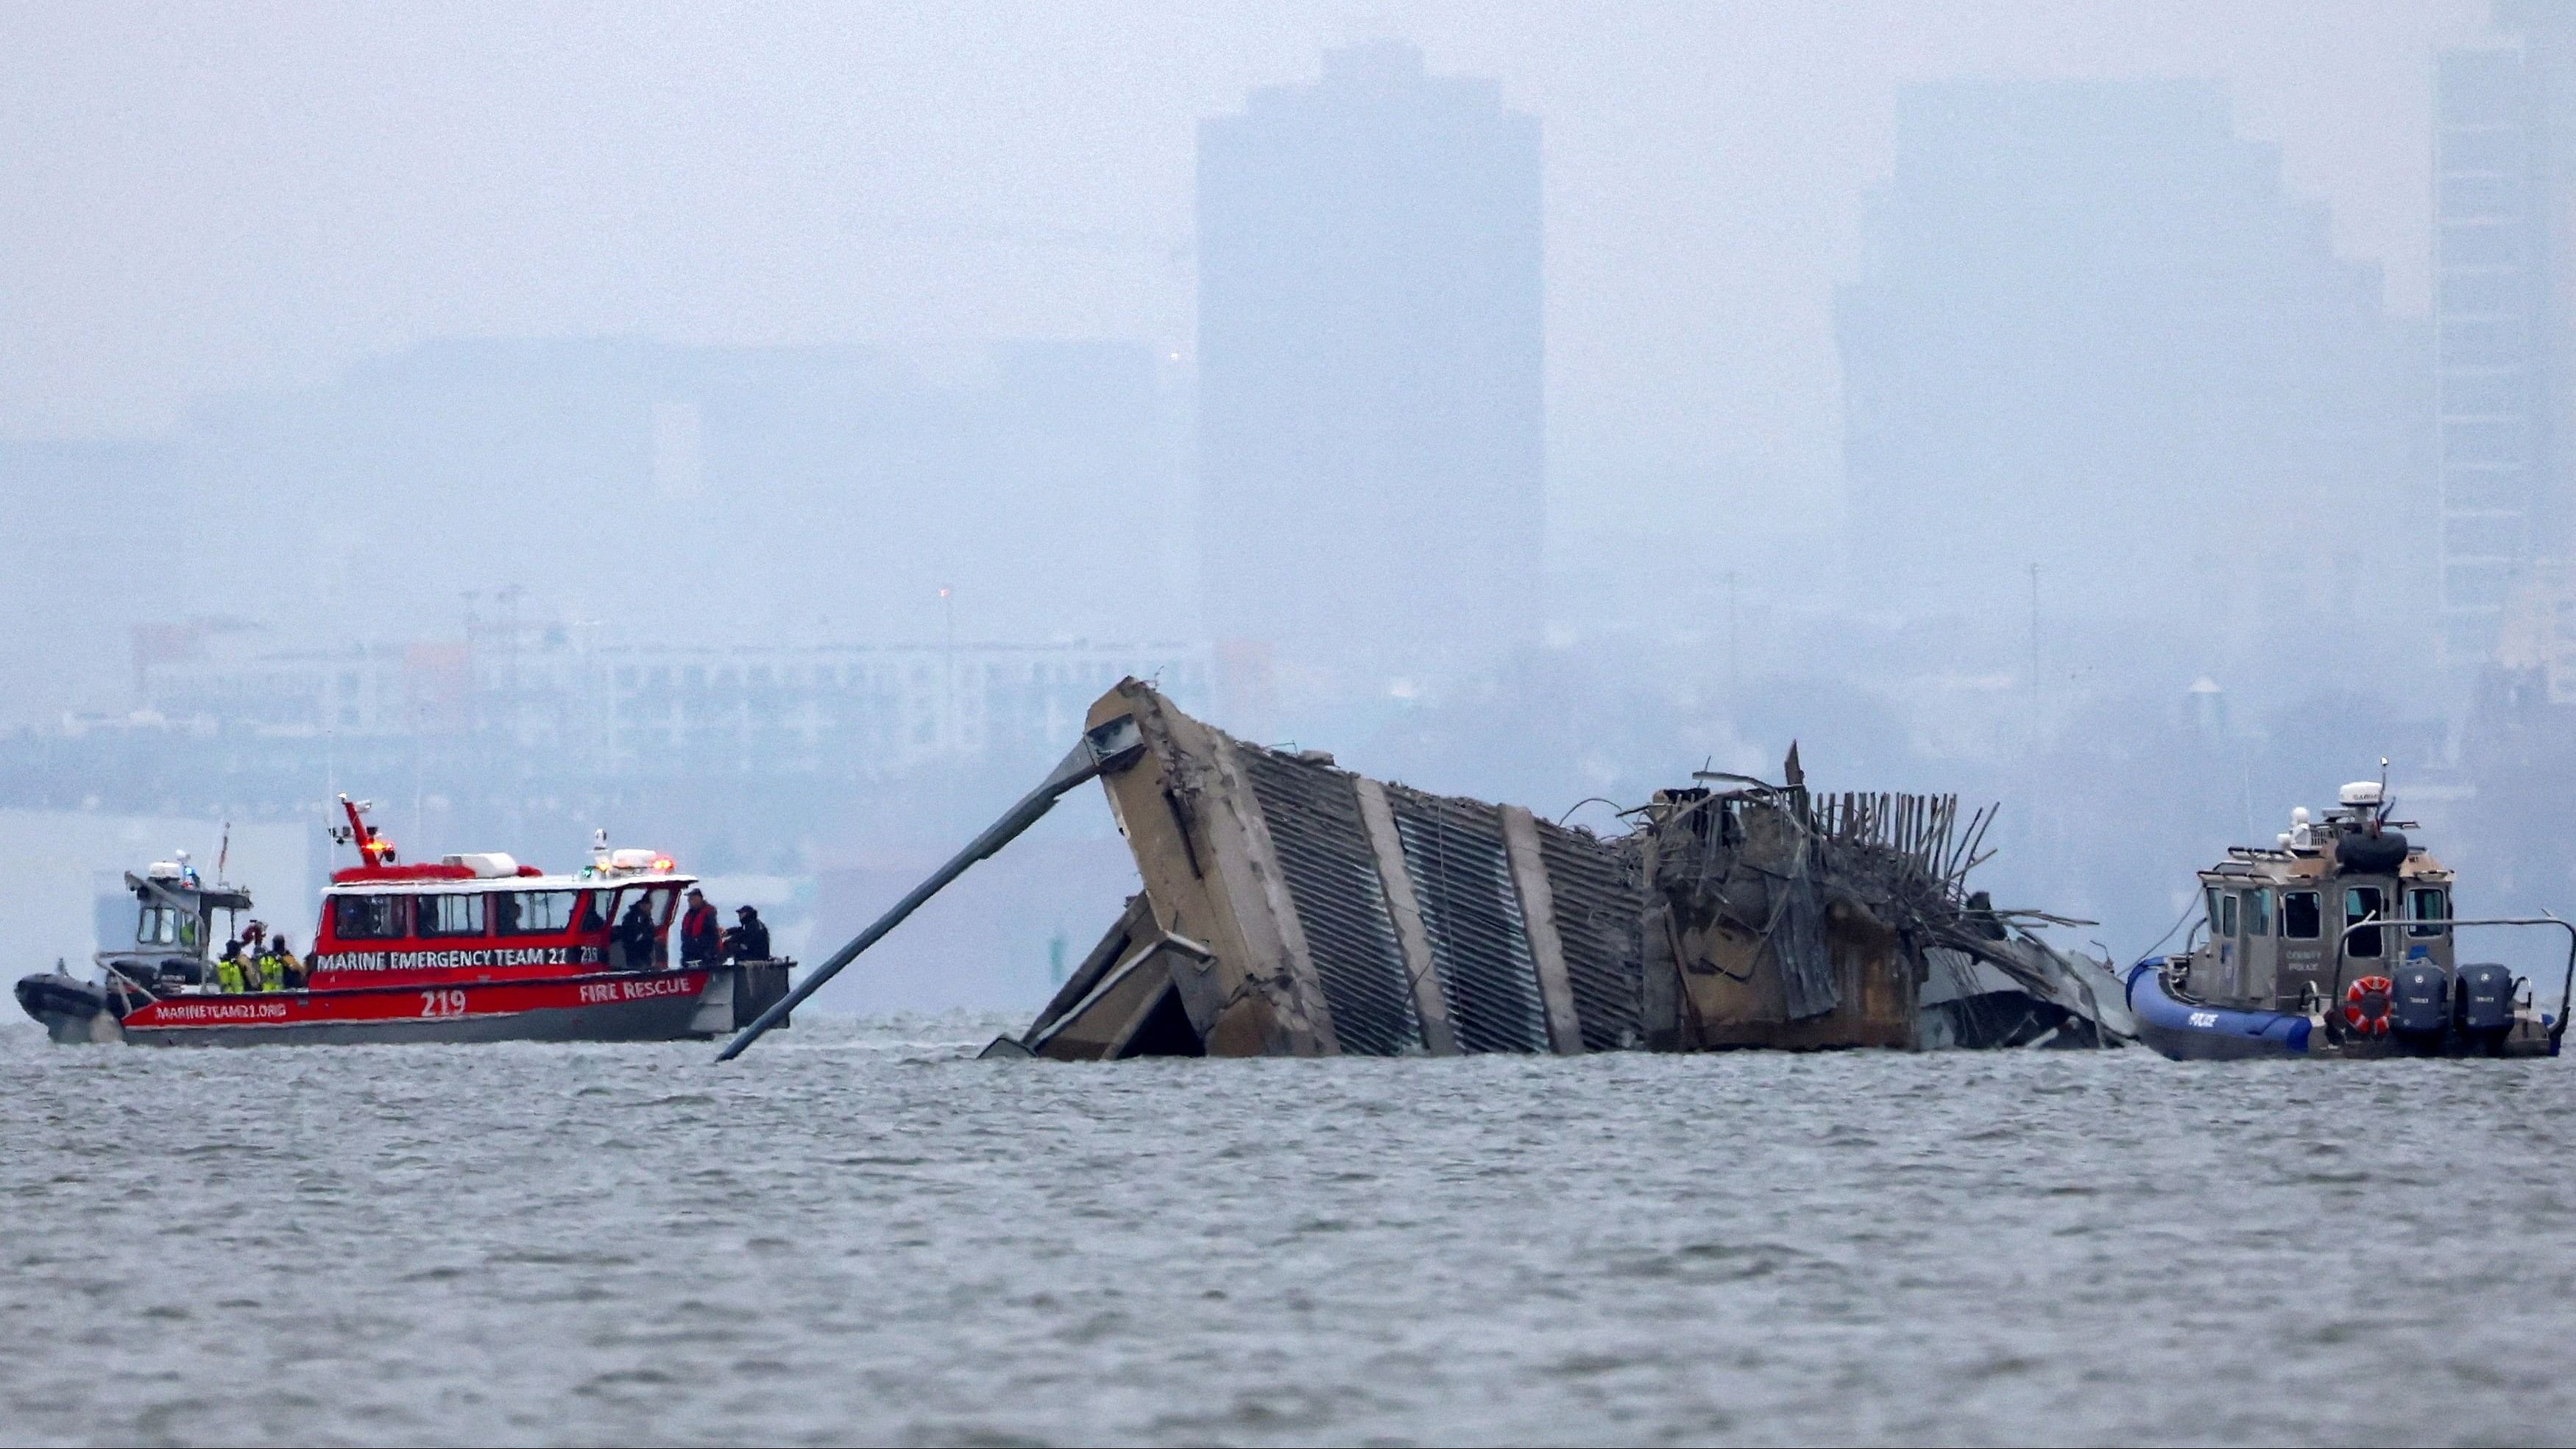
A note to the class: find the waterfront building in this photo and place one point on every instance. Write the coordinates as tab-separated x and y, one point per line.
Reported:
547	697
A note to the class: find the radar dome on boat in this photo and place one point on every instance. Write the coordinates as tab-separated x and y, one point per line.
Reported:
2360	792
2301	835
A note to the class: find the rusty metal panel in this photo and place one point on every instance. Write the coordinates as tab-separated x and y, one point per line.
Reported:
1599	902
1453	850
1312	812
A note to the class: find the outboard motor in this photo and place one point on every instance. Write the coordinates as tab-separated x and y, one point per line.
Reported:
2420	1008
2483	1003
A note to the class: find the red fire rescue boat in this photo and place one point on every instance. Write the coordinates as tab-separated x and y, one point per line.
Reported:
474	948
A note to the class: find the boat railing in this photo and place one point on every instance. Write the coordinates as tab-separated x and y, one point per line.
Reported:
2374	922
127	987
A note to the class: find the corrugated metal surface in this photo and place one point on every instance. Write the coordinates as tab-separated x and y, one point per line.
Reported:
1453	849
1599	897
1313	815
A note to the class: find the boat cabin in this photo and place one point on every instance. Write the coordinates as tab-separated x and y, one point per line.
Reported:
2274	915
173	927
485	917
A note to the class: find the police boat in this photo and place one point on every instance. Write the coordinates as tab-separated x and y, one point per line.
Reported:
2340	941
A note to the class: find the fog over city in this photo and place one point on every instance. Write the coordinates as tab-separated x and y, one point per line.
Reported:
760	432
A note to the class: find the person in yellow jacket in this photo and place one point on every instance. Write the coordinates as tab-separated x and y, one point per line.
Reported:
289	970
228	969
270	968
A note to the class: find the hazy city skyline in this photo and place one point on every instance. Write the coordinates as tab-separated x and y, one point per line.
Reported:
250	202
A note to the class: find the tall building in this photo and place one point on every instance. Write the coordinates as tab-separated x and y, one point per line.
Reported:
2095	333
2501	310
1370	442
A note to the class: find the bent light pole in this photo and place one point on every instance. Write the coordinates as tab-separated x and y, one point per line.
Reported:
1112	746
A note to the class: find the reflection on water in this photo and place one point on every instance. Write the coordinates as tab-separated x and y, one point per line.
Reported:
857	1234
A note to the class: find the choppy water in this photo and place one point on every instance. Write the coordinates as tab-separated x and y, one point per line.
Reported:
855	1234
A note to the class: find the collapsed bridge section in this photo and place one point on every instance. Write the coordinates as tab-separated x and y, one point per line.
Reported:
1295	908
1291	907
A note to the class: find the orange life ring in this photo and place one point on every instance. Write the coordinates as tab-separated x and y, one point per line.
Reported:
2365	1005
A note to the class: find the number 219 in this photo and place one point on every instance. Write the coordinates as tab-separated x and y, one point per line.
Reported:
442	1003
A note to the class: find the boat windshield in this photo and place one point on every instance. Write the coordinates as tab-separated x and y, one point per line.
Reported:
449	915
166	926
2299	915
2363	903
369	918
2428	904
534	913
637	916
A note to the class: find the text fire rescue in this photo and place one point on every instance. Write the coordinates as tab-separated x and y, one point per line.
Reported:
638	990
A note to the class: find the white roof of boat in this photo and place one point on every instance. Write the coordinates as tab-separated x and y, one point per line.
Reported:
480	884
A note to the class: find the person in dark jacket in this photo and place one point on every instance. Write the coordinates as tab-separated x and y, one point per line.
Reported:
701	942
748	941
635	932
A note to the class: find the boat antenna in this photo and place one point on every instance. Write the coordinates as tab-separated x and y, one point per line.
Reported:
373	848
223	851
2385	804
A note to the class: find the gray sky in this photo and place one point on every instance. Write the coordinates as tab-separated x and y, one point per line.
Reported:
204	199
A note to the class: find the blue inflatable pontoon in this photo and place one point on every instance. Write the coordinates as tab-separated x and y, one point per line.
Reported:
2188	1031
